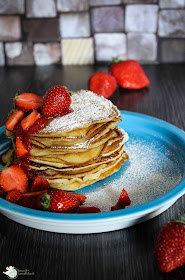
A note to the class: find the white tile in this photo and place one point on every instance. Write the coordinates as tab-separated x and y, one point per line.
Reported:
141	18
109	45
74	25
46	54
40	8
172	23
142	46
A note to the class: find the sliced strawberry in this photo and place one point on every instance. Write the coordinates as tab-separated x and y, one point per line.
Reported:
14	178
28	101
45	184
31	199
14	196
113	208
36	185
89	209
30	120
14	120
124	199
82	198
20	148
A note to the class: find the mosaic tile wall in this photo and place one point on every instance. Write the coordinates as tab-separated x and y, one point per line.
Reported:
76	32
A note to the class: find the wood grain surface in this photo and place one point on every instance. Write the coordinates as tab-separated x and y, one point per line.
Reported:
125	254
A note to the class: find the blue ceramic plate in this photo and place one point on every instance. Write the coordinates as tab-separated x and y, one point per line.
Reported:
153	177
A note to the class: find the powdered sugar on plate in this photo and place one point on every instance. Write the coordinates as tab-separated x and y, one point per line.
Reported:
87	107
151	171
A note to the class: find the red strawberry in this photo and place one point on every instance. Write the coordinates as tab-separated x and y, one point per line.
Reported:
102	83
59	201
20	148
124	199
14	120
30	120
45	184
28	101
36	185
113	208
14	196
89	209
170	246
129	74
56	100
82	198
14	178
31	199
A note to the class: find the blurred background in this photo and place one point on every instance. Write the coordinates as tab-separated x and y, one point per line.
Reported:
82	32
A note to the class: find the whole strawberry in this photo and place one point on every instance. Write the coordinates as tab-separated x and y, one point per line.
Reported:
129	74
56	100
59	201
102	83
170	245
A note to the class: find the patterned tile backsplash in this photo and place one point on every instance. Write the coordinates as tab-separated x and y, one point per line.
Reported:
77	32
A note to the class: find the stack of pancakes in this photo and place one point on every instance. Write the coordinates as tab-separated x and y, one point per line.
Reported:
81	147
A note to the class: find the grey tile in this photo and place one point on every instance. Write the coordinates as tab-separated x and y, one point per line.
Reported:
40	8
141	18
109	45
2	56
171	4
18	53
46	54
172	50
8	7
10	27
72	5
104	2
140	1
142	46
74	25
41	30
108	19
172	23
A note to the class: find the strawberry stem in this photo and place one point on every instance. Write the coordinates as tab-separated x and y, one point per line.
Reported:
70	92
181	219
17	93
45	201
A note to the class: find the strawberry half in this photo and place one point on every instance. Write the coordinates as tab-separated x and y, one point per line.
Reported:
36	185
124	199
20	148
14	120
56	100
14	196
28	101
102	83
30	120
59	201
31	199
82	198
14	178
129	74
170	246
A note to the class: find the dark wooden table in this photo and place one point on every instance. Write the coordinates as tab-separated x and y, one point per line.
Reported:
125	254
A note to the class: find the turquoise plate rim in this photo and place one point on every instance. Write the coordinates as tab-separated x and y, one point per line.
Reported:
146	207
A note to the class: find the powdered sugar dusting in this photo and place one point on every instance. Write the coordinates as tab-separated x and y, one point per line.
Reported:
151	171
87	107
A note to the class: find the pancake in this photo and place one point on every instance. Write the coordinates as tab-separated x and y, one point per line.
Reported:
79	148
